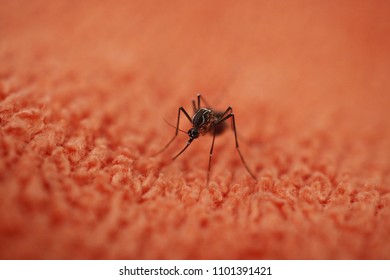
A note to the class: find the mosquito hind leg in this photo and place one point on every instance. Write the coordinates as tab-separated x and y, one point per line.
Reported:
229	114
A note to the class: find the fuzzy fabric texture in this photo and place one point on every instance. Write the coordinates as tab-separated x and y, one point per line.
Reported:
85	87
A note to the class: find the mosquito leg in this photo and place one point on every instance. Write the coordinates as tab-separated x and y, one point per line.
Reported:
211	154
194	106
181	109
222	119
203	100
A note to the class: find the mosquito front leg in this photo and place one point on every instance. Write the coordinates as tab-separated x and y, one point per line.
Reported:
181	109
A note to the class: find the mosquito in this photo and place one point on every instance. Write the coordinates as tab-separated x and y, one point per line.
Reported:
206	121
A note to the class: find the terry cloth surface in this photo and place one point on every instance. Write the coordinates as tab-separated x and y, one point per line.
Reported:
85	88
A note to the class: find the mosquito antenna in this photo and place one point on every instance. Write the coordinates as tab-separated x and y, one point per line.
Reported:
175	126
188	143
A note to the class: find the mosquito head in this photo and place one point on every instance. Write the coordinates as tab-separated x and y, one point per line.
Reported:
193	133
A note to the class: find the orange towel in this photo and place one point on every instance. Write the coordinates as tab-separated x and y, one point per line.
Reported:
84	91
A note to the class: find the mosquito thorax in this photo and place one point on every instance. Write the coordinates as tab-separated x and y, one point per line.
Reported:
202	117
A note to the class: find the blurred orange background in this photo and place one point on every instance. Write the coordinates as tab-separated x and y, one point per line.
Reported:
84	89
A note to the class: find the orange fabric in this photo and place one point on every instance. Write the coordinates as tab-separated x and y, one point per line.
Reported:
84	89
